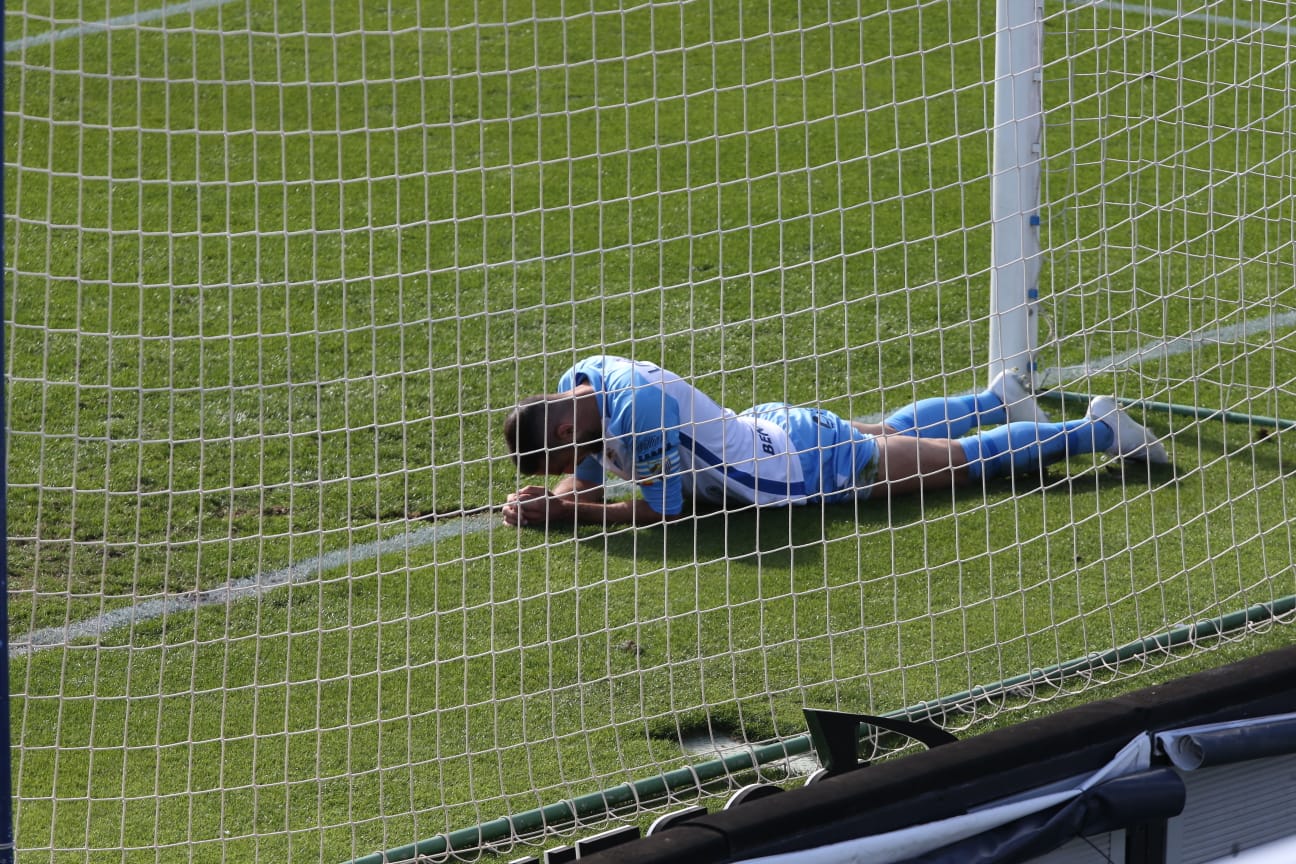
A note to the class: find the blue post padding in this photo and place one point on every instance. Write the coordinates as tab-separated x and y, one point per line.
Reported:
1226	743
1134	799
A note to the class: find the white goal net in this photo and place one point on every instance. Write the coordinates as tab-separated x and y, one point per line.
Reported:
274	273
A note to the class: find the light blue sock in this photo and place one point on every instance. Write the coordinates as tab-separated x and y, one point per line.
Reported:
948	417
1019	447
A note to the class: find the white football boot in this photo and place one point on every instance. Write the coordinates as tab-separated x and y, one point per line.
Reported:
1132	440
1018	401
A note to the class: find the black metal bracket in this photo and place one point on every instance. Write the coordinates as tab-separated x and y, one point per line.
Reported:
836	735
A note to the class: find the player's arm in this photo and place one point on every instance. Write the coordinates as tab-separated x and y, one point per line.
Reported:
530	505
656	462
578	489
588	507
575	500
548	507
632	511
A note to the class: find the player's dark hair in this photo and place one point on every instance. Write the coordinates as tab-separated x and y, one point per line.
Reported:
526	429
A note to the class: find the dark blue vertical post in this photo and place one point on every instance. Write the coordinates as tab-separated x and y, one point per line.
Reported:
6	764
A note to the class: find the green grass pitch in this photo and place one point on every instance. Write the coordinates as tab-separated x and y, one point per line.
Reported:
274	275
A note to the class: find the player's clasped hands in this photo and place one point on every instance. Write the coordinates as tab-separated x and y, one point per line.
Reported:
528	506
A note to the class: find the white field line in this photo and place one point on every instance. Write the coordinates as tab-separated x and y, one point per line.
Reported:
314	568
121	21
249	586
1164	348
1247	24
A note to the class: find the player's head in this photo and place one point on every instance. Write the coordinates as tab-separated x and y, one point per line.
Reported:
545	436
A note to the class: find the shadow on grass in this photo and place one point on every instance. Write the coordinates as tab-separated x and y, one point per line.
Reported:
780	536
775	535
1114	474
769	536
1258	445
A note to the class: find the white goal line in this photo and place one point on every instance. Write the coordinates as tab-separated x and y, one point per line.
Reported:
1162	349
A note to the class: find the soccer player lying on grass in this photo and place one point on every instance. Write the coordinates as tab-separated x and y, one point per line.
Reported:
644	424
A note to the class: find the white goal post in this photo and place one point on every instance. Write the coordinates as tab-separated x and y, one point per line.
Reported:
1015	187
276	272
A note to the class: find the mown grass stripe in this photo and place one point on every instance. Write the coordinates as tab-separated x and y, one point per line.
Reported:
51	637
92	27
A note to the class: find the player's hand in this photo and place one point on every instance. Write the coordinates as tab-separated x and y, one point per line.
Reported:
528	506
528	492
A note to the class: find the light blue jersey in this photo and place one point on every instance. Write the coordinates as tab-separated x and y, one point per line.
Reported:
672	440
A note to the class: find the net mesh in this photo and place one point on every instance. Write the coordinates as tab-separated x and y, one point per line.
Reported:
276	271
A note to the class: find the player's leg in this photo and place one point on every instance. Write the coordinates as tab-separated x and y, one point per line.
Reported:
1005	400
907	464
1019	447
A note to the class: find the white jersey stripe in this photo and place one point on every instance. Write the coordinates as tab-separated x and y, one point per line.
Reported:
794	488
